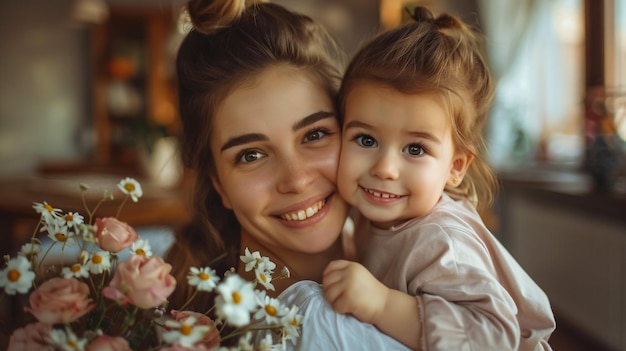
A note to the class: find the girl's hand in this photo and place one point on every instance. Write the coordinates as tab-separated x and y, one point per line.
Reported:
351	288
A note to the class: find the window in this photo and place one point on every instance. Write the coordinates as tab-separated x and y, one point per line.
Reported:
536	52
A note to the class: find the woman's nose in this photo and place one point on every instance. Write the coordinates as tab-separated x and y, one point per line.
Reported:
385	166
294	176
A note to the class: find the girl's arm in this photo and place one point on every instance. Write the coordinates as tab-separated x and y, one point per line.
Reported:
351	289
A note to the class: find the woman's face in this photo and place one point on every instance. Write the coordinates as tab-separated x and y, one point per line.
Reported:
276	144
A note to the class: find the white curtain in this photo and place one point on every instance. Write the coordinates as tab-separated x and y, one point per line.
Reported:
534	95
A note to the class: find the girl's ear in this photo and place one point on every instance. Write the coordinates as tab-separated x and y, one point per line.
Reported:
220	191
460	164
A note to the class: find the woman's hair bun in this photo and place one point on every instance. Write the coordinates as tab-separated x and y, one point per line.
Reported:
210	15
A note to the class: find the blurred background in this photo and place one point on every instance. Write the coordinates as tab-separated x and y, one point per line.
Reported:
87	93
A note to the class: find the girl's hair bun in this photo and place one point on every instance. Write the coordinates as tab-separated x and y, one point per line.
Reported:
210	15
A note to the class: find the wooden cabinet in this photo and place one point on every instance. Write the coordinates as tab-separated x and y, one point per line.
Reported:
134	87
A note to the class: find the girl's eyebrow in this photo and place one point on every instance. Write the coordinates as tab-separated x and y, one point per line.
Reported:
423	135
252	137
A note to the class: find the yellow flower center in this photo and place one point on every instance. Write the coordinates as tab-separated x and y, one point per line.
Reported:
97	259
204	276
60	237
270	310
14	275
185	329
75	268
294	322
140	252
263	277
69	217
129	187
236	297
72	344
48	207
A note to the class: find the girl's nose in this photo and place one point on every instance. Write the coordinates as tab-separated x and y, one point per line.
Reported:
385	166
293	176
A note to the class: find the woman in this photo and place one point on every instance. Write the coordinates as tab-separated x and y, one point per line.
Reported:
257	85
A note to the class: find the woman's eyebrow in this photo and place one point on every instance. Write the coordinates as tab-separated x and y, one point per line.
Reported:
252	137
243	139
312	118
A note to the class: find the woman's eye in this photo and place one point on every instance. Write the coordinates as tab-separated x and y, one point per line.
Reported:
414	150
249	156
314	135
366	141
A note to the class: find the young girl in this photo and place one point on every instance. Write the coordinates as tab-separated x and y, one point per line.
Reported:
412	162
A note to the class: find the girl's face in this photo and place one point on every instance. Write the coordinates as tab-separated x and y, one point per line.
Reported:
397	154
276	145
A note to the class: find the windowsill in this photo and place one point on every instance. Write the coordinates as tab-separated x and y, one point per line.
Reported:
570	189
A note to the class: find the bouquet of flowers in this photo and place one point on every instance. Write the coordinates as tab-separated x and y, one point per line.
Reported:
94	302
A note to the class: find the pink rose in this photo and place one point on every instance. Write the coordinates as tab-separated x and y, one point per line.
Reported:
144	282
114	235
212	338
60	300
108	343
31	337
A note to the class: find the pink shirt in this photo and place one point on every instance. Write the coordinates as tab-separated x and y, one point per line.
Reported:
473	294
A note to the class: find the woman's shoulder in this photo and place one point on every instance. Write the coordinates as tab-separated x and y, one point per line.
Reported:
325	329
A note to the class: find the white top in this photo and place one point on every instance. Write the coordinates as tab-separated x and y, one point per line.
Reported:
324	329
473	295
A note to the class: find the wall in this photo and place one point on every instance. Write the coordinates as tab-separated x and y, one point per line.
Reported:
44	89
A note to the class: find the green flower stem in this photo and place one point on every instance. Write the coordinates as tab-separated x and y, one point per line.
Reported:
195	293
44	256
119	210
36	229
129	321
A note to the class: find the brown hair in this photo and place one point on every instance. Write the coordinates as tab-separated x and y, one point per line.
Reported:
439	55
231	42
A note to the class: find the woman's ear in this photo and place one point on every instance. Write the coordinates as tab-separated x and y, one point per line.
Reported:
220	191
460	164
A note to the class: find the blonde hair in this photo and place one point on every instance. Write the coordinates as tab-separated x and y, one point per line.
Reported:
232	42
440	55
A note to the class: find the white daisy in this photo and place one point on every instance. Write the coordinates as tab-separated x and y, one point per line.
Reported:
244	343
141	247
30	249
58	232
264	278
46	210
131	187
254	260
271	309
17	276
100	262
236	300
204	279
67	340
76	270
87	232
266	343
291	323
185	333
73	219
250	259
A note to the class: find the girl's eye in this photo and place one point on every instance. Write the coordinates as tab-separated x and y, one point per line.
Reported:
249	156
366	141
414	150
314	135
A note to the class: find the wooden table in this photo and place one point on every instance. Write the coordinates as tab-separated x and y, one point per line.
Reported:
157	206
